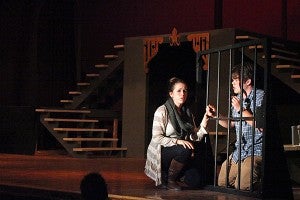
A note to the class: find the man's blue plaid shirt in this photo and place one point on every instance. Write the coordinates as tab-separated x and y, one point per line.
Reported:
246	134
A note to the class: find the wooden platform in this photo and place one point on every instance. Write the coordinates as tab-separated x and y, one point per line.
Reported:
55	175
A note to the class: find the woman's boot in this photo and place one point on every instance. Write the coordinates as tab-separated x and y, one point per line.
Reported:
164	180
174	170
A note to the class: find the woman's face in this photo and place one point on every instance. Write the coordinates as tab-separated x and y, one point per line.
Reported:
179	94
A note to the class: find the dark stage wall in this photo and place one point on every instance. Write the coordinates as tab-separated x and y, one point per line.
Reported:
266	17
106	23
43	43
37	59
18	130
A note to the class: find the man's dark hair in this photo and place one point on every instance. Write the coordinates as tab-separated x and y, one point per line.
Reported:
247	71
93	187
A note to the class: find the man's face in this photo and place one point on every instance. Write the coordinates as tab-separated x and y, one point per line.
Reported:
236	85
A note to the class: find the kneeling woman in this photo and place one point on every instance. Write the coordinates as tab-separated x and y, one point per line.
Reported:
173	128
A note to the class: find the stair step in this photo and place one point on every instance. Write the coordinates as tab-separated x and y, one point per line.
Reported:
275	49
101	66
119	46
75	92
284	51
70	120
89	139
257	47
287	67
93	75
110	56
295	76
283	58
244	37
101	149
81	129
66	101
83	84
61	110
278	44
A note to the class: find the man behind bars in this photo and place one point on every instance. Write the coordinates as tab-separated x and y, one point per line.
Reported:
243	130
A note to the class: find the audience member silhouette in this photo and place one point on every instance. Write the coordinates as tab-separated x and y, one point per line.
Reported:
93	187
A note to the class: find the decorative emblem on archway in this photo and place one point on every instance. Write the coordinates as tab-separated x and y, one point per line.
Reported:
150	49
174	38
200	42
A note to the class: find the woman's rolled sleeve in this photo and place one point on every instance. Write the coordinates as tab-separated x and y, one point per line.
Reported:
199	134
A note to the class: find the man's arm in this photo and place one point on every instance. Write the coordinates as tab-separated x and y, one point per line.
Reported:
211	112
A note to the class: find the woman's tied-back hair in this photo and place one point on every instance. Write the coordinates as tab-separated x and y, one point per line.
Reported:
173	81
247	72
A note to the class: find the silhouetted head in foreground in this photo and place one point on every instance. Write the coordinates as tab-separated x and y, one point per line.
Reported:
93	187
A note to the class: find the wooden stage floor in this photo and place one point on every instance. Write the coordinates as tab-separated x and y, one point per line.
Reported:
54	175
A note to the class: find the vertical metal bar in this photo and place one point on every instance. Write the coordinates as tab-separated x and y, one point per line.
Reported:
228	117
217	121
253	119
267	107
207	89
207	79
199	81
197	77
241	120
197	69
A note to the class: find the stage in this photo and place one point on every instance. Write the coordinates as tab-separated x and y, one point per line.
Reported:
56	175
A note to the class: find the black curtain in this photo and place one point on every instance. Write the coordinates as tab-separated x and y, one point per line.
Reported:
37	56
37	64
55	51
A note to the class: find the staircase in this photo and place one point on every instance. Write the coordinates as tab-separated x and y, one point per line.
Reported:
285	58
285	64
86	124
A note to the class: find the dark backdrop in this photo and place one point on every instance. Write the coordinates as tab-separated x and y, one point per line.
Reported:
18	130
45	42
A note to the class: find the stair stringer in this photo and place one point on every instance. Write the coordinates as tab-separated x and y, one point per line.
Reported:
114	65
